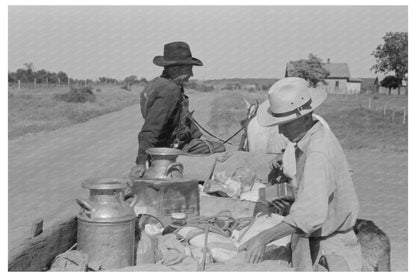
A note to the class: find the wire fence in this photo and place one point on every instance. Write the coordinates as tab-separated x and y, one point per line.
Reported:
392	111
18	86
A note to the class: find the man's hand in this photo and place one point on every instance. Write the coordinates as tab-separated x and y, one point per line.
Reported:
137	171
256	247
283	204
224	156
276	162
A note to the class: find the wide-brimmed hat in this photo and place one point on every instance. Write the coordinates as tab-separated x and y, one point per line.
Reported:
178	53
289	99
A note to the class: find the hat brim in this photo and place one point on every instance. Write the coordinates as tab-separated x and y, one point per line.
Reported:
160	61
266	119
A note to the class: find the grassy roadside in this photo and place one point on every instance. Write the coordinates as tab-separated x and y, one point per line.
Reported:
32	111
348	116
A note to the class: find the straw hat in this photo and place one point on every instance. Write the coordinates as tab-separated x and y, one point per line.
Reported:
289	99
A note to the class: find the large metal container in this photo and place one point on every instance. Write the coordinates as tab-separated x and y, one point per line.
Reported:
106	224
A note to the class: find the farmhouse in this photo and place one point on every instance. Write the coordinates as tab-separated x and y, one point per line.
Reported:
250	87
339	79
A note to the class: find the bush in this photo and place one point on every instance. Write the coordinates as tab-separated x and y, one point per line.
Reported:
201	87
77	95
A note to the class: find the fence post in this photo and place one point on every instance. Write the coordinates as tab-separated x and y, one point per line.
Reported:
369	103
384	111
18	85
34	83
393	115
404	115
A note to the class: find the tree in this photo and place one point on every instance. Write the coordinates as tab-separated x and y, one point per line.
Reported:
62	77
12	76
390	82
40	75
392	56
29	67
311	70
131	79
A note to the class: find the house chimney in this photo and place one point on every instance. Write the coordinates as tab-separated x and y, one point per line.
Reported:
328	60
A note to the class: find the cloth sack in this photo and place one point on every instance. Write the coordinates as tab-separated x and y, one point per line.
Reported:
70	261
222	248
260	223
253	195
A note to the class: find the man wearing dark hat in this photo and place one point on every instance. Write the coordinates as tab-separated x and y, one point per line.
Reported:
164	106
325	207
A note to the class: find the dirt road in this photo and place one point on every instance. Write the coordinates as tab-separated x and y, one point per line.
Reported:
46	171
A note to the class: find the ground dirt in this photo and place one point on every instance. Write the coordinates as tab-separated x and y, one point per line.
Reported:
46	171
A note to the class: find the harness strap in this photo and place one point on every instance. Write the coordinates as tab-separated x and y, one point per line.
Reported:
206	131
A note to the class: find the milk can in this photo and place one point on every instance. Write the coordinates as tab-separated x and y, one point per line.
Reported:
164	164
106	224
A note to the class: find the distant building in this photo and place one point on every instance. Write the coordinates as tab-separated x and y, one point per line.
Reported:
339	79
370	85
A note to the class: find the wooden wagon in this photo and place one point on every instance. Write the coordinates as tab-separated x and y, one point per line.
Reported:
37	253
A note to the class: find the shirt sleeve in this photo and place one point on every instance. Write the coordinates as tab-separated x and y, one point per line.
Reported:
196	133
310	209
156	119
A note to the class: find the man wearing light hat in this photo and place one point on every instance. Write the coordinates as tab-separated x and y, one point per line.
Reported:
164	106
326	205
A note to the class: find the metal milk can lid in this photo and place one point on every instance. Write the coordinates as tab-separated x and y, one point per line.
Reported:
105	183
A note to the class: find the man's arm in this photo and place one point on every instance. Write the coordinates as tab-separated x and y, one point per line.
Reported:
195	132
308	212
256	246
156	118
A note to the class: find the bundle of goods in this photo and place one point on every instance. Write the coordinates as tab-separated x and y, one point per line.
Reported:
244	184
194	243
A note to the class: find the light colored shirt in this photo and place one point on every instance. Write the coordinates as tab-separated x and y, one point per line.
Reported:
325	200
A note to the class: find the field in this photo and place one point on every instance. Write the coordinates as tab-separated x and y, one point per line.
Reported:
36	110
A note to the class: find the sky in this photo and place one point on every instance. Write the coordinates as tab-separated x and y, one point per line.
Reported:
232	41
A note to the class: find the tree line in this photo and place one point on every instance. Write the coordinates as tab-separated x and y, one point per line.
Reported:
28	74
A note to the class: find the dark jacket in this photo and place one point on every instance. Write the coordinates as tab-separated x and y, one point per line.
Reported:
164	107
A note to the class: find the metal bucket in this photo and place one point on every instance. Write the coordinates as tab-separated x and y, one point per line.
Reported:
106	224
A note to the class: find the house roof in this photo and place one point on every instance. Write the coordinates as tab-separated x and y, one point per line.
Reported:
336	70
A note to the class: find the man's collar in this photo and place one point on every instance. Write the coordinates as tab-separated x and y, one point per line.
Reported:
303	143
165	74
178	80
